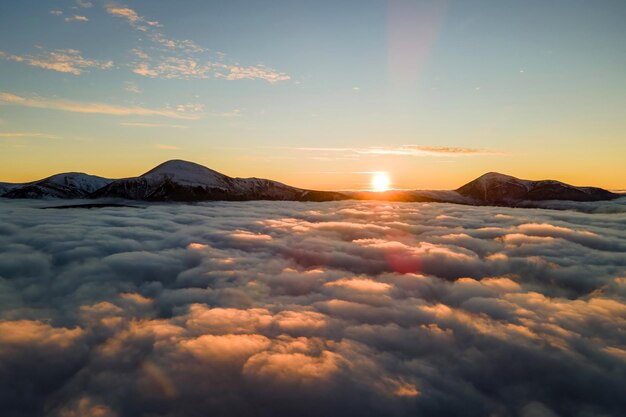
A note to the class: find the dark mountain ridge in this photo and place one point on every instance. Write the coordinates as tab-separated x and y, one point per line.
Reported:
495	188
178	180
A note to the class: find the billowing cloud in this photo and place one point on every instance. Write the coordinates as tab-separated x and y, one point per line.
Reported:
285	308
181	112
62	60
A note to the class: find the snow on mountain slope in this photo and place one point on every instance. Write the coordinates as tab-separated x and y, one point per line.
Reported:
188	174
178	180
79	181
495	188
66	185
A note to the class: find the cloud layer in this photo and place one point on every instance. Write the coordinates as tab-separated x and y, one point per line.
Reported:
280	309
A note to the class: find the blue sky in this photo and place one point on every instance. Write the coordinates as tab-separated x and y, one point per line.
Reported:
316	93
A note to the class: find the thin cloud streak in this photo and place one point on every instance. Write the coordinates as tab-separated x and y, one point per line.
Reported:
94	108
228	114
138	124
76	18
26	135
408	150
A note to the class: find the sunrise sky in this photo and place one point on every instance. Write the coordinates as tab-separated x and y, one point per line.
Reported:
316	94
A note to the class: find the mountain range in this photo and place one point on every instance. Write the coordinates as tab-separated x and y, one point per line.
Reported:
178	180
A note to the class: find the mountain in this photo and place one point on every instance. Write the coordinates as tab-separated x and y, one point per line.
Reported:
7	186
494	189
178	180
66	185
500	189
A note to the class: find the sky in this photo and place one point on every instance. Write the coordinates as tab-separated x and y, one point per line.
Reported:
316	94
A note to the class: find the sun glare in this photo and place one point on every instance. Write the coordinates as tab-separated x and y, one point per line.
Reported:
380	181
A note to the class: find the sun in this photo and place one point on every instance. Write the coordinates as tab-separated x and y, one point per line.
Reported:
380	181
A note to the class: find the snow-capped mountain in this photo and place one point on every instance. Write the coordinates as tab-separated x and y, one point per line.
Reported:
178	180
66	185
495	188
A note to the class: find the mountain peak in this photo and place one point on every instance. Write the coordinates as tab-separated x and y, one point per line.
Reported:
178	166
496	175
185	172
496	188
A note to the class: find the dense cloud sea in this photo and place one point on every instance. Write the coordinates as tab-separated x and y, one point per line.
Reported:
312	309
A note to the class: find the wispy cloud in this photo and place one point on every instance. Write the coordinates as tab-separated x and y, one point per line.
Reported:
189	112
170	67
181	59
159	125
417	150
138	22
132	87
85	4
151	29
235	72
232	113
184	45
408	150
56	12
62	60
15	135
77	18
166	147
185	68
